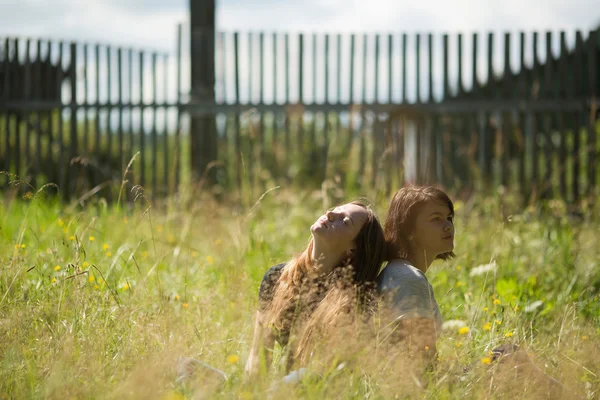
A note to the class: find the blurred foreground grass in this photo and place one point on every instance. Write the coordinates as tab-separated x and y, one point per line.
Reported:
99	301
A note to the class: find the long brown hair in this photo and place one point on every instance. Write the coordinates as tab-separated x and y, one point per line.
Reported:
310	302
400	221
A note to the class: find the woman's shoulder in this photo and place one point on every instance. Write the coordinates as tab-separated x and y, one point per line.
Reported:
400	272
267	286
274	272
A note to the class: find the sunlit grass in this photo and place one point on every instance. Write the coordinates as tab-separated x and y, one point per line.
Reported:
99	301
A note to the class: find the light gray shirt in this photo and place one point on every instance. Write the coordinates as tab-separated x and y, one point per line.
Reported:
409	292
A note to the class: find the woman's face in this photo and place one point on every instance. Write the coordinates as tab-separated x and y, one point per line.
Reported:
434	229
338	228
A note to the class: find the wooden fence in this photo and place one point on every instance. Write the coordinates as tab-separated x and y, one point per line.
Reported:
357	110
75	114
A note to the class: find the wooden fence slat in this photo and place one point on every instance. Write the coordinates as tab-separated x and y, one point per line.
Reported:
37	95
166	125
376	72
17	152
404	50
49	86
153	132
237	139
109	110
86	119
26	115
362	151
548	93
507	124
313	131
73	140
474	55
430	78
592	51
7	116
131	144
535	122
390	68
522	137
61	159
122	161
418	66
288	144
576	71
142	124
563	118
177	155
261	80
375	130
446	80
274	117
325	148
461	85
351	76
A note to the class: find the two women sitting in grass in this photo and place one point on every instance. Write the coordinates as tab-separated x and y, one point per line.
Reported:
332	307
322	303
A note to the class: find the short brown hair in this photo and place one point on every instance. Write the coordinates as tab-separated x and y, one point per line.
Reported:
400	221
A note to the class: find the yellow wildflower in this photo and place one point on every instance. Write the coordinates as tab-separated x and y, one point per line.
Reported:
105	246
108	254
508	334
71	238
486	360
22	246
61	222
463	330
486	309
176	297
53	280
96	287
209	260
91	278
498	322
217	242
458	267
125	286
57	268
65	230
92	238
458	344
496	301
185	305
233	359
86	264
459	284
159	228
487	326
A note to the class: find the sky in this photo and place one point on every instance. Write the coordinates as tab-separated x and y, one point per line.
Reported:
151	25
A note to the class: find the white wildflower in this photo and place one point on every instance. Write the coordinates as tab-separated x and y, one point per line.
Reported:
484	269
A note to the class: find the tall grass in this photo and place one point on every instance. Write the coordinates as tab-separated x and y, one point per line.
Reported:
99	301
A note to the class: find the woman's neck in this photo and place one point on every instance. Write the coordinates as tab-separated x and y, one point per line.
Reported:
420	260
323	260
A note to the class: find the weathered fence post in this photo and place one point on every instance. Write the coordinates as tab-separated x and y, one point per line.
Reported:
203	129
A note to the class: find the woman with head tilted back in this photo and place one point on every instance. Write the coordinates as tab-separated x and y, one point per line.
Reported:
319	288
418	230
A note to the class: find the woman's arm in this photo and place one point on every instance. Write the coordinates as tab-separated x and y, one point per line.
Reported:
262	348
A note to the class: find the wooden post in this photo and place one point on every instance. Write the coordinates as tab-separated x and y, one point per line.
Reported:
203	129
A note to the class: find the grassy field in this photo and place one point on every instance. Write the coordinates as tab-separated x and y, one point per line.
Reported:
99	301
